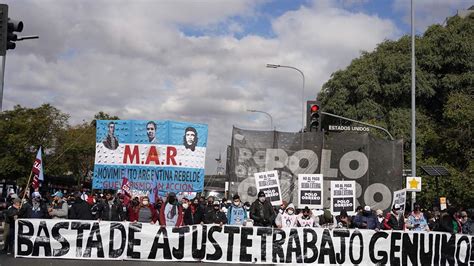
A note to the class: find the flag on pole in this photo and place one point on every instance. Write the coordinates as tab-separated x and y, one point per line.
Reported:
37	171
126	187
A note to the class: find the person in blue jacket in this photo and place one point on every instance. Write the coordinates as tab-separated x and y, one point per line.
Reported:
366	219
236	214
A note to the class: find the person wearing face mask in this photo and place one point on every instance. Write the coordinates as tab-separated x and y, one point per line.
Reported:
37	209
171	213
287	218
416	220
236	214
306	219
215	216
366	219
146	212
394	220
193	214
261	211
467	225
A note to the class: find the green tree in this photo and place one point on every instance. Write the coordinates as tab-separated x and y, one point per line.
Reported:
376	88
23	131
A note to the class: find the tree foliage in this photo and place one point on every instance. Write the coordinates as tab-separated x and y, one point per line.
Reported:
376	88
67	150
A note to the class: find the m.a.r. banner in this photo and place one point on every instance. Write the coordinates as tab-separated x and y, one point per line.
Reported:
71	239
167	154
375	165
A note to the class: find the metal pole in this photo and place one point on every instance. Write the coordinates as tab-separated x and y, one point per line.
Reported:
413	103
2	78
269	115
302	93
363	123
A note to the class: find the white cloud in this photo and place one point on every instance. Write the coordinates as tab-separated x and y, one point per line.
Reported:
130	59
428	12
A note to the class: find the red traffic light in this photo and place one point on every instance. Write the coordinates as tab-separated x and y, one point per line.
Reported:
314	108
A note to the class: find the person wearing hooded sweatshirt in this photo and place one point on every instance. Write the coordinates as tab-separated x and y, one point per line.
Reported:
37	209
261	211
327	220
287	218
236	214
306	219
365	219
171	213
216	215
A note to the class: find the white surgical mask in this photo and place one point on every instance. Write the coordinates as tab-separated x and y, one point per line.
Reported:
145	202
236	203
262	199
290	212
185	205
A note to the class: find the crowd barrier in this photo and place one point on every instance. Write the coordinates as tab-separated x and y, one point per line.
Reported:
72	239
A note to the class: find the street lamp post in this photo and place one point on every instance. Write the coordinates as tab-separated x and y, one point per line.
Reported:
269	115
302	93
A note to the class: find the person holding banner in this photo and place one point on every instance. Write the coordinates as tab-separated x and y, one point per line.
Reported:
416	220
144	212
37	209
365	219
11	216
194	213
236	214
215	216
110	209
58	208
394	220
261	211
306	219
288	218
171	213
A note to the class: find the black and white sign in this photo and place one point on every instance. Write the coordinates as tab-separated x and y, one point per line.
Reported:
269	183
343	197
310	191
399	197
69	239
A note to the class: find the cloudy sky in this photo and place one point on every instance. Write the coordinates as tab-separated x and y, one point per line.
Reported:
199	61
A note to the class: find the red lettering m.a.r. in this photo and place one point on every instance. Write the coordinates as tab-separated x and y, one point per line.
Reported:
133	156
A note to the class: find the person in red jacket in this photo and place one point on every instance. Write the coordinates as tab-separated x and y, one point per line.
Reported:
171	213
393	220
143	211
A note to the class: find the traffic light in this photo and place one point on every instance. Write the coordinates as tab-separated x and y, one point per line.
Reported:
313	116
8	27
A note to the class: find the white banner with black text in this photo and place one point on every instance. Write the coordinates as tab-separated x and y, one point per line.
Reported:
71	239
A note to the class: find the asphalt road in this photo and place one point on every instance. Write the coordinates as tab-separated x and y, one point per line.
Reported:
9	260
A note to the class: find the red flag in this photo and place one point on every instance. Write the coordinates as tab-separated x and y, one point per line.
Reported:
126	186
37	171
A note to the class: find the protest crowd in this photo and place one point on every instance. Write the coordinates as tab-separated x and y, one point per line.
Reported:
173	211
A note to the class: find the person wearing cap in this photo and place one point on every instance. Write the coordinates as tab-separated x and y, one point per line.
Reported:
11	216
171	213
287	218
236	214
261	211
417	221
79	210
306	219
366	219
394	220
58	208
216	215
